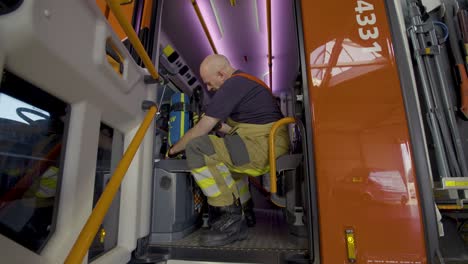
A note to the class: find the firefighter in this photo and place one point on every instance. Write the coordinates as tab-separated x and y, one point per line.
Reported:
220	165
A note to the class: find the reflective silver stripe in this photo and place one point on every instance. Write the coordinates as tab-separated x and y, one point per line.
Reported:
222	168
241	182
45	192
245	197
224	171
243	188
207	183
211	191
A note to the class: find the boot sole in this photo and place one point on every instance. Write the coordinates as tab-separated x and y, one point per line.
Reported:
242	235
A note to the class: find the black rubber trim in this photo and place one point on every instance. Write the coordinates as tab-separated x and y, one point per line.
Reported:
11	6
228	255
311	190
152	29
14	85
192	81
143	35
137	12
173	57
183	70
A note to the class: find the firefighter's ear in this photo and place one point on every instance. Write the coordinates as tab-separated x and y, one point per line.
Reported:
223	74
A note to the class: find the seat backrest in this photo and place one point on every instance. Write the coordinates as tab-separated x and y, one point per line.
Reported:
288	162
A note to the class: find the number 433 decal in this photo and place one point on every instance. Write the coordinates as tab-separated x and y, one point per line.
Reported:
366	19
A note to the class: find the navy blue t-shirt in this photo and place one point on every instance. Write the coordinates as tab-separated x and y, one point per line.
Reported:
244	101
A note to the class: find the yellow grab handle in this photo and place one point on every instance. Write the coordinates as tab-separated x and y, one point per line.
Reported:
91	227
271	142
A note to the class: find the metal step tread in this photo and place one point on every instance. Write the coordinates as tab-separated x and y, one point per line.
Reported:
455	261
270	233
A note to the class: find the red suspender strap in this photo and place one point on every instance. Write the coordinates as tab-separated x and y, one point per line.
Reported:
252	78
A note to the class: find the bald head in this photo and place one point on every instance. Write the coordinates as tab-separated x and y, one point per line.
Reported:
214	63
215	70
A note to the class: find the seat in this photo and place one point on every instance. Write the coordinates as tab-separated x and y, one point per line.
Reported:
286	165
290	180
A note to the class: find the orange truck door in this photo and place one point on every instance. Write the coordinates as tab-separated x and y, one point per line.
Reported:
369	210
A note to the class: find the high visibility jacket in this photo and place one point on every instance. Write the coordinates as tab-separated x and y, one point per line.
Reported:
48	183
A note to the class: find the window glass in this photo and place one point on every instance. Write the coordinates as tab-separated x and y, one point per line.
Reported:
110	151
32	125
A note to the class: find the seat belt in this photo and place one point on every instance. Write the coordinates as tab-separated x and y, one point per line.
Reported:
250	77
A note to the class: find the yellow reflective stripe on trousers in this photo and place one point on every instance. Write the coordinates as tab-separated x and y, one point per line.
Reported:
182	116
206	182
251	172
224	171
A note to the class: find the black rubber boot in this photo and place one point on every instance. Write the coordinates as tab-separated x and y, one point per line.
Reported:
213	214
249	213
227	228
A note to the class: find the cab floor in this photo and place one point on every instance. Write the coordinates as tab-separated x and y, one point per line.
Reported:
270	233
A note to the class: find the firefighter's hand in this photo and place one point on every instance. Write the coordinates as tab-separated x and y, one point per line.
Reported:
172	154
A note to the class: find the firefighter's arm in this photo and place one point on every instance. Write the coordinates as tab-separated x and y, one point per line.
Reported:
225	128
203	127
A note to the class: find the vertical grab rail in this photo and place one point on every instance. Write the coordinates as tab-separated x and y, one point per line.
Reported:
272	152
91	227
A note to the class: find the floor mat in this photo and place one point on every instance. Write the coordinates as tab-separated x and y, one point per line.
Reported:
270	232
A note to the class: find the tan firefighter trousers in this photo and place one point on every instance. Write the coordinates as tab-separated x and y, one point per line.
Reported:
221	166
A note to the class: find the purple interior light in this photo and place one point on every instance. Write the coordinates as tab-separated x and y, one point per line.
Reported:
210	20
139	14
241	37
284	45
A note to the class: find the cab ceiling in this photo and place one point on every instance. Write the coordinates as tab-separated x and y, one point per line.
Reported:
239	32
